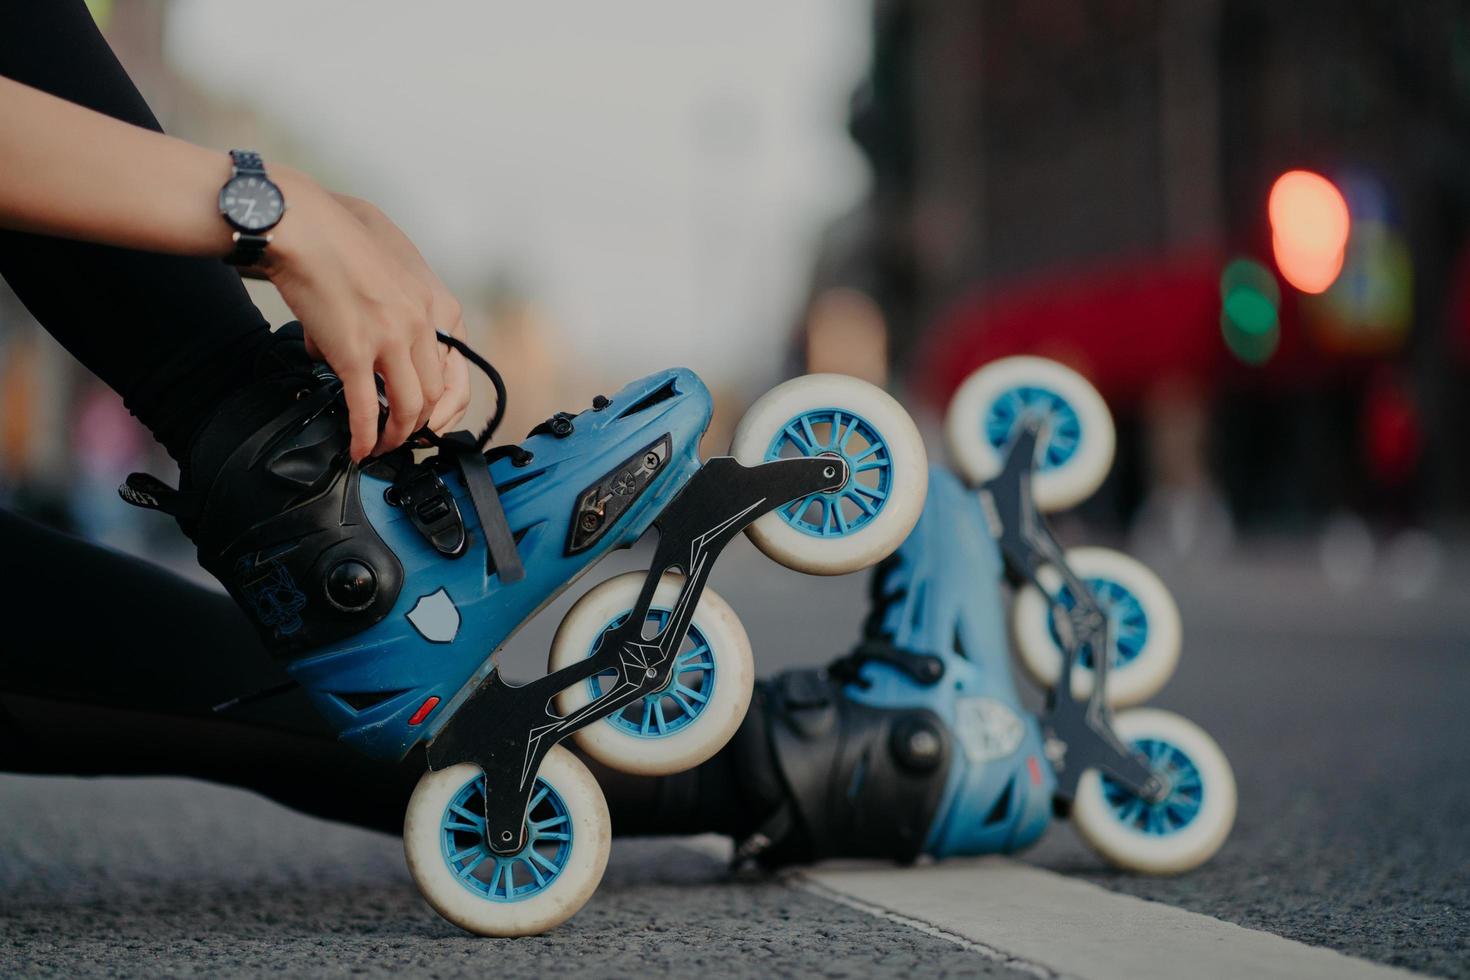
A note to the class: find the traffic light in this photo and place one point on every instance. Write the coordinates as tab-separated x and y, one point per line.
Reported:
1309	229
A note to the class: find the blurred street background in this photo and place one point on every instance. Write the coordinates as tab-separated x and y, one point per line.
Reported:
900	190
1247	222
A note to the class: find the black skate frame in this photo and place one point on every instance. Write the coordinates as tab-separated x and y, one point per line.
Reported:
1081	732
507	729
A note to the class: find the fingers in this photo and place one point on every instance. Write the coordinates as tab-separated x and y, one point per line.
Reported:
456	397
443	375
430	369
405	399
456	400
361	392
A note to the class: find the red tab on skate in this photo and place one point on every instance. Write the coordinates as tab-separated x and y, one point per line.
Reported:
424	709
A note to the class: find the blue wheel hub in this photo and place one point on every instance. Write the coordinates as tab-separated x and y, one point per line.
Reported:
841	434
1060	437
1180	805
683	698
1127	622
512	877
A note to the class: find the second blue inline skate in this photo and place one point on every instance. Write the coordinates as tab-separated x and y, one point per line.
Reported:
917	742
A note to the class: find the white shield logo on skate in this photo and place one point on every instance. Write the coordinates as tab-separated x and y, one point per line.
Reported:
988	729
435	617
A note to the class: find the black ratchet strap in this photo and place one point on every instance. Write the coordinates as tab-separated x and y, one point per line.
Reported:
500	544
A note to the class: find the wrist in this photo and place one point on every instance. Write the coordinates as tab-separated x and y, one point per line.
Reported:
304	196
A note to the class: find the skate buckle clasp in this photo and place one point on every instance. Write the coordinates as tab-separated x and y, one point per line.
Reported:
432	509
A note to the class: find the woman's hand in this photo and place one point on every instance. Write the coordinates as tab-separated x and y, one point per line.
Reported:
445	313
363	310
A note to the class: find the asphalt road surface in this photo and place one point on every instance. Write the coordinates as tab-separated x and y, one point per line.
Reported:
1344	714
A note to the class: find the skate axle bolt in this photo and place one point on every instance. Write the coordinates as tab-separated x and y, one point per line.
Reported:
651	461
590	520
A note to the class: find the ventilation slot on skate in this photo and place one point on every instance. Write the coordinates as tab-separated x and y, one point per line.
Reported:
661	394
505	488
362	701
959	644
1002	808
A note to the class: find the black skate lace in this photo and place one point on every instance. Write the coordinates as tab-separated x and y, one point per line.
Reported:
559	425
518	455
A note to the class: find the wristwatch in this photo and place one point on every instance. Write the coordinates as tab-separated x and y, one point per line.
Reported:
252	205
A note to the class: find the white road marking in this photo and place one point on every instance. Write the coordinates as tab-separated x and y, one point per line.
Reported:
1051	925
989	952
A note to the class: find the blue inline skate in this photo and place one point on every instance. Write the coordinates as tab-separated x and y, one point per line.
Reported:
916	743
388	587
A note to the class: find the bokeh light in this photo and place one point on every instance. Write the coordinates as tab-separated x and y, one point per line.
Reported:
846	333
1249	321
1369	308
1309	229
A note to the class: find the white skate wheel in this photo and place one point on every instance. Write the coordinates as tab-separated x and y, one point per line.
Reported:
1074	449
698	710
1144	633
1188	826
864	521
536	889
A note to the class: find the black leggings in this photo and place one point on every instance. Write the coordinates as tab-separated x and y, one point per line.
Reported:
113	667
171	334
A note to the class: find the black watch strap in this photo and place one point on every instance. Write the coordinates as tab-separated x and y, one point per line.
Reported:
247	162
249	249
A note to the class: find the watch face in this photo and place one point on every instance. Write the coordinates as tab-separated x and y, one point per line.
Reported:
251	203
